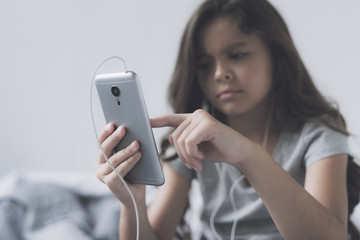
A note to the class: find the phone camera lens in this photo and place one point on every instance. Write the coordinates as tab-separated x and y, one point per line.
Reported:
115	91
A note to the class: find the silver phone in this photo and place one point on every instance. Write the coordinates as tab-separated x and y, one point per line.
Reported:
123	103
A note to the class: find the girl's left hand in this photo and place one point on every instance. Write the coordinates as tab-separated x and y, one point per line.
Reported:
198	135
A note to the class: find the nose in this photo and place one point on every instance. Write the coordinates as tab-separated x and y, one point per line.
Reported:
222	73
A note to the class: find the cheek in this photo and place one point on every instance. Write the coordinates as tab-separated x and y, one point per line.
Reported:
205	86
208	91
261	83
267	77
259	79
202	84
262	71
265	89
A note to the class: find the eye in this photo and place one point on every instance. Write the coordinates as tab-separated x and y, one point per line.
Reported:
204	65
238	55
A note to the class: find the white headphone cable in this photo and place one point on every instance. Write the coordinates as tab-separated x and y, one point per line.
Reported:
216	209
232	188
232	200
102	150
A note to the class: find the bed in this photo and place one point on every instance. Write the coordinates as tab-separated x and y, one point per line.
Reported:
43	205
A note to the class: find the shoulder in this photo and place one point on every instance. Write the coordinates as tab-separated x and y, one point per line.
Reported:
317	127
320	141
317	132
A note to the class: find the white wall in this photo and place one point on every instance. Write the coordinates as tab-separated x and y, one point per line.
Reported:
48	50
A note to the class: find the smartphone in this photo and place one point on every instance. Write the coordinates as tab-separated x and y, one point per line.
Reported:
123	103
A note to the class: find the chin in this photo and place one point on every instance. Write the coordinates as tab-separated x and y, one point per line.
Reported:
232	110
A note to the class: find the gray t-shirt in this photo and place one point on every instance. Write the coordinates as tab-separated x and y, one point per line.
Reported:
295	152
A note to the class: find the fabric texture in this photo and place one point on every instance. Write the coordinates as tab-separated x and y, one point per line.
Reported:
295	152
36	209
43	205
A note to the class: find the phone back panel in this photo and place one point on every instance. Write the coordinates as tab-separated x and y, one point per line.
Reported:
129	110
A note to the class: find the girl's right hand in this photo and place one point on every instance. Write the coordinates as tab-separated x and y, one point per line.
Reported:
123	161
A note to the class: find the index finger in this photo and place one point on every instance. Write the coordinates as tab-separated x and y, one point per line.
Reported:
170	120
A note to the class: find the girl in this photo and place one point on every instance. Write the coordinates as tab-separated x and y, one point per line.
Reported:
269	151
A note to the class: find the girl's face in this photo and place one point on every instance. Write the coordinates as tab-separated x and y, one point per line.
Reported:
235	70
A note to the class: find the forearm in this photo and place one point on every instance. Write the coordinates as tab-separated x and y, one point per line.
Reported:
296	213
128	225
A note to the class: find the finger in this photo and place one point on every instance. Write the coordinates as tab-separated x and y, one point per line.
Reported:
105	133
176	139
178	132
188	160
197	165
197	136
182	139
178	151
110	142
192	142
188	136
122	169
170	120
121	156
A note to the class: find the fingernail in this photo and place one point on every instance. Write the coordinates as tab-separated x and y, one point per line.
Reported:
133	145
120	131
137	155
108	127
171	140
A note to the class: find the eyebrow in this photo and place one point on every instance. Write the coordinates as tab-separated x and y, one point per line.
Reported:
236	44
203	54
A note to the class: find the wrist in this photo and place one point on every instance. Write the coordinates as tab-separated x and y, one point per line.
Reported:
254	151
130	205
129	211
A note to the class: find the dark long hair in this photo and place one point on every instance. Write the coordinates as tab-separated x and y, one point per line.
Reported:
296	98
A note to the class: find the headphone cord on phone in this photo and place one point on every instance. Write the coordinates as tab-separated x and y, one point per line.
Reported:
102	150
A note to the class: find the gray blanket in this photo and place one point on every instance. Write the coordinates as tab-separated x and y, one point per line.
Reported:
41	210
43	205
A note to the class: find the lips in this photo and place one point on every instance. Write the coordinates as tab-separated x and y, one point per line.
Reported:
228	94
